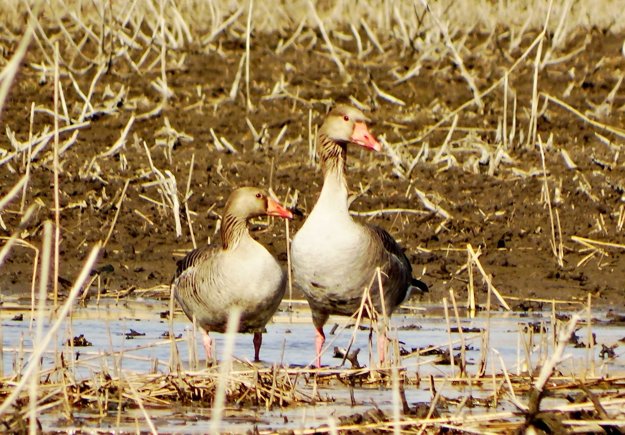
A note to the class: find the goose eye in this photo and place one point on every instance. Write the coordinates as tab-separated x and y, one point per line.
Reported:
258	195
346	118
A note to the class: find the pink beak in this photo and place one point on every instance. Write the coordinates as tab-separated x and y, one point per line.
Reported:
361	136
274	208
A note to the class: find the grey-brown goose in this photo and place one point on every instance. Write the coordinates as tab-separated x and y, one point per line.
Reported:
335	258
211	280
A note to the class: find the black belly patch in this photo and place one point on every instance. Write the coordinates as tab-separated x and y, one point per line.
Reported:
340	302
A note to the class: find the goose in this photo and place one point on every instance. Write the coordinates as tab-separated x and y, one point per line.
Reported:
334	258
211	280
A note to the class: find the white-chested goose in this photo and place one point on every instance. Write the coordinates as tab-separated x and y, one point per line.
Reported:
239	272
335	258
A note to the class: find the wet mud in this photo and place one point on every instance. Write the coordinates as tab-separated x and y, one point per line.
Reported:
495	194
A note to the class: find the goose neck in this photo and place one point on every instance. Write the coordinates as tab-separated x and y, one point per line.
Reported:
233	229
333	156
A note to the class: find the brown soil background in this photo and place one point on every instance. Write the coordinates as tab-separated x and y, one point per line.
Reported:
504	213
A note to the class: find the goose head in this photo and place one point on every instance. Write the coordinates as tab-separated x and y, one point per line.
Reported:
346	124
250	202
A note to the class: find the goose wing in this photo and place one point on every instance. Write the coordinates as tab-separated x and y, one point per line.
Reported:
398	267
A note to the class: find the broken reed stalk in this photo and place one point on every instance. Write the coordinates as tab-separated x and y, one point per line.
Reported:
435	400
8	73
119	207
192	346
590	242
456	58
559	33
556	243
513	397
283	46
590	345
312	140
486	333
327	41
62	313
139	401
553	321
463	359
604	127
174	356
445	145
119	144
371	35
248	30
43	287
452	363
470	286
373	328
225	367
165	92
470	102
504	135
546	371
359	315
387	96
519	337
28	157
384	211
533	124
187	196
57	202
33	281
289	271
486	278
397	401
167	188
234	89
383	334
14	192
527	335
435	208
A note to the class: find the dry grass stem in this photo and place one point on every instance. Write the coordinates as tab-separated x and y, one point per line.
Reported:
603	127
326	39
248	31
119	144
431	206
45	341
10	69
386	96
487	278
224	369
456	56
187	196
55	163
12	194
556	242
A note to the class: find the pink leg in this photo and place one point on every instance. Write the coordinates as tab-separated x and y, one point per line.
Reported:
258	340
208	344
319	340
382	343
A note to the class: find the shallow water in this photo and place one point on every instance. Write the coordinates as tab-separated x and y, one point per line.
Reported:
289	341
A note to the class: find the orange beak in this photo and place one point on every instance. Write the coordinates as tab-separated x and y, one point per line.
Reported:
361	136
274	208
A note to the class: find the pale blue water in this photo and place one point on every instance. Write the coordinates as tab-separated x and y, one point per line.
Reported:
289	341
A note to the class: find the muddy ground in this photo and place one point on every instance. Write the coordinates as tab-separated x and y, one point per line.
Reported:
504	213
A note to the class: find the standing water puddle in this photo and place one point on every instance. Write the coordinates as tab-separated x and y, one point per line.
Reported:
127	338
